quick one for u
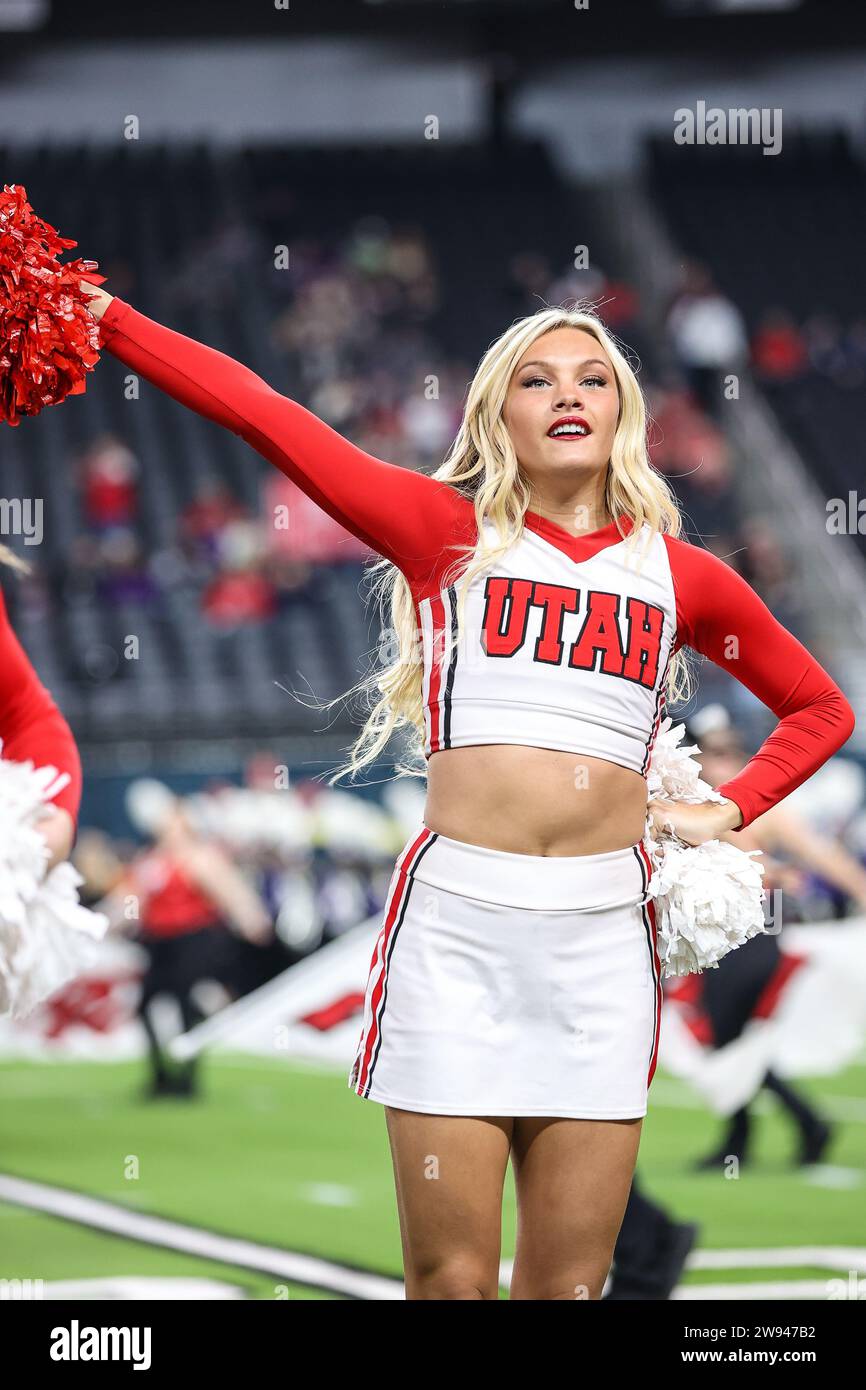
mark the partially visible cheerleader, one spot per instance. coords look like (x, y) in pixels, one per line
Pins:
(32, 727)
(39, 943)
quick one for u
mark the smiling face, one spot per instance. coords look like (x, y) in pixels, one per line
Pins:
(561, 408)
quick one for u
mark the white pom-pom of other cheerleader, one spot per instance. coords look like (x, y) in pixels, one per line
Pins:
(46, 936)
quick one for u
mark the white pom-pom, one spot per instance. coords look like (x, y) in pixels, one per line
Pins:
(46, 935)
(709, 898)
(673, 775)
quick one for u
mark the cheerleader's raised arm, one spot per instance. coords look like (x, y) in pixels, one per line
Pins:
(401, 514)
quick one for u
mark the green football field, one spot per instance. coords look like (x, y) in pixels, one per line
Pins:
(276, 1183)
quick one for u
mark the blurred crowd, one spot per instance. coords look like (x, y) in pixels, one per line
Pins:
(783, 350)
(319, 860)
(358, 350)
(357, 337)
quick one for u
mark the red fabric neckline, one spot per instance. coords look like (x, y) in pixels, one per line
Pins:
(580, 547)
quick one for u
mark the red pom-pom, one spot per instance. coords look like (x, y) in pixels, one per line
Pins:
(48, 337)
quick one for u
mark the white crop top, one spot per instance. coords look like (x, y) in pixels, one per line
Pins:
(556, 653)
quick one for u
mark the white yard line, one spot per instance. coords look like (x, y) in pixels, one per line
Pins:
(740, 1293)
(842, 1262)
(283, 1265)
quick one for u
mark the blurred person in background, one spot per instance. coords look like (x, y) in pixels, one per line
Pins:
(764, 562)
(652, 1247)
(204, 519)
(109, 490)
(729, 994)
(690, 449)
(778, 348)
(101, 861)
(708, 335)
(651, 1250)
(789, 844)
(124, 577)
(241, 591)
(195, 912)
(824, 345)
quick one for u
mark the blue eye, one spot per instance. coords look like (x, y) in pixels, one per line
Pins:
(595, 380)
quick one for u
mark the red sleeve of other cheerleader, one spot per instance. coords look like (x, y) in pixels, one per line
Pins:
(721, 616)
(401, 514)
(31, 726)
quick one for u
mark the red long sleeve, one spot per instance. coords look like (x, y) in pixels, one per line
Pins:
(401, 514)
(721, 616)
(31, 726)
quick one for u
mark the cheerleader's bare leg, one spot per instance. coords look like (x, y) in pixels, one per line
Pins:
(573, 1179)
(449, 1172)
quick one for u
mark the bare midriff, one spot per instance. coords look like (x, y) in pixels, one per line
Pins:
(537, 801)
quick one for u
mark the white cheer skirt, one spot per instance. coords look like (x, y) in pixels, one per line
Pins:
(512, 984)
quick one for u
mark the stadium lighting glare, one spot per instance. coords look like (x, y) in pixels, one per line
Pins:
(709, 7)
(19, 16)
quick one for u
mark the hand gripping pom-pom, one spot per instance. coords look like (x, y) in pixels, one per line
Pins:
(49, 340)
(709, 898)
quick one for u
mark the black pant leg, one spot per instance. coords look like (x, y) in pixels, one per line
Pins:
(731, 991)
(158, 978)
(640, 1235)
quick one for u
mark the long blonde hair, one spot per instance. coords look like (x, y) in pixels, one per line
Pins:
(482, 466)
